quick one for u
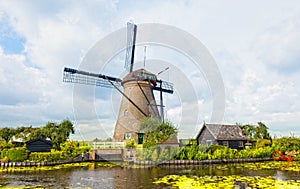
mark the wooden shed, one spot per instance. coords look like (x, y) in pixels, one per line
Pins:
(171, 142)
(226, 135)
(39, 145)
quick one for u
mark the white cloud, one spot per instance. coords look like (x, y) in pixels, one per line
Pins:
(278, 47)
(255, 48)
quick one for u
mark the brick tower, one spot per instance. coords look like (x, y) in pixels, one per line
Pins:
(137, 87)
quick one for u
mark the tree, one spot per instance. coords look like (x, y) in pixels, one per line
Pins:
(7, 133)
(256, 132)
(58, 133)
(36, 133)
(262, 131)
(248, 130)
(156, 131)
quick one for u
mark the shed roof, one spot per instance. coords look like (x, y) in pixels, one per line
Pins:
(225, 132)
(39, 139)
(171, 140)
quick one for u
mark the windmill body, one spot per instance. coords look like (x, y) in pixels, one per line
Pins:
(138, 86)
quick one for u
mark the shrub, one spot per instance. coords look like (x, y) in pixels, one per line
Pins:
(154, 155)
(145, 153)
(130, 144)
(260, 143)
(286, 144)
(47, 156)
(211, 149)
(18, 154)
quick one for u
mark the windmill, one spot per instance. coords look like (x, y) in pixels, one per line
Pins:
(138, 101)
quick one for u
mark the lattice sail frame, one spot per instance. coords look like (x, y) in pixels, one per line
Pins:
(131, 35)
(81, 77)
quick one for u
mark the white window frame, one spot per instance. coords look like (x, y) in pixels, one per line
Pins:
(127, 136)
(240, 144)
(225, 143)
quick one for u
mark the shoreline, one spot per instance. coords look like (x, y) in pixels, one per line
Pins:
(140, 163)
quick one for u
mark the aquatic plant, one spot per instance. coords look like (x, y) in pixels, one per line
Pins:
(226, 182)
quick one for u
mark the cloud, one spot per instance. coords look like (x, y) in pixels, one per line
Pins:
(278, 47)
(256, 50)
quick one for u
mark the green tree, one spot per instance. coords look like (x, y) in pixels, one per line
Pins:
(24, 132)
(58, 133)
(36, 133)
(156, 131)
(255, 132)
(262, 131)
(248, 130)
(7, 133)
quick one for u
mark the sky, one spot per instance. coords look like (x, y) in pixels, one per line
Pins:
(254, 44)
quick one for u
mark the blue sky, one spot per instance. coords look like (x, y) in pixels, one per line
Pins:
(11, 42)
(255, 45)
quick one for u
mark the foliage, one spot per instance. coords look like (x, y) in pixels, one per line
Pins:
(47, 156)
(286, 144)
(212, 148)
(233, 181)
(263, 142)
(146, 153)
(221, 152)
(255, 132)
(190, 152)
(154, 155)
(130, 144)
(156, 131)
(19, 154)
(4, 145)
(68, 150)
(262, 131)
(73, 149)
(7, 133)
(165, 154)
(58, 133)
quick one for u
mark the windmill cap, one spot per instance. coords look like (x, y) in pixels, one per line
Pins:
(140, 74)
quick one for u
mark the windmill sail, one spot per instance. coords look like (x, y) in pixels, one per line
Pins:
(131, 37)
(165, 86)
(87, 78)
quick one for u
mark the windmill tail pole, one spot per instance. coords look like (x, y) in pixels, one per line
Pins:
(162, 71)
(161, 104)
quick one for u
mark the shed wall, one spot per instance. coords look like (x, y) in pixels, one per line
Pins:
(206, 135)
(39, 146)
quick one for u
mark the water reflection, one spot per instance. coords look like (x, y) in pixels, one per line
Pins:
(119, 177)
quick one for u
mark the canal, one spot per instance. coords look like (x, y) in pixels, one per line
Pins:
(98, 176)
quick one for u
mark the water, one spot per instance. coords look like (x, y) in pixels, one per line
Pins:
(119, 177)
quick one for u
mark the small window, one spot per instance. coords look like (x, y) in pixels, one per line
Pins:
(126, 112)
(240, 144)
(225, 143)
(127, 136)
(208, 142)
